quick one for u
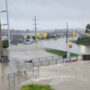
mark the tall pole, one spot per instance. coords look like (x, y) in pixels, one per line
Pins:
(1, 51)
(67, 33)
(35, 20)
(68, 54)
(11, 66)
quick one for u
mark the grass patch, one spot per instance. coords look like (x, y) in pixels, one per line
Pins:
(59, 52)
(36, 87)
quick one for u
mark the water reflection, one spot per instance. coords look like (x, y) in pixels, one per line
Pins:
(60, 44)
(85, 49)
(4, 69)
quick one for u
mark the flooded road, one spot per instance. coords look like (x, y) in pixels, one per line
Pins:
(55, 44)
(60, 44)
(4, 71)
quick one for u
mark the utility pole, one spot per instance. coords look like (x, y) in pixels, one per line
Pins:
(1, 51)
(35, 20)
(67, 33)
(11, 66)
(68, 54)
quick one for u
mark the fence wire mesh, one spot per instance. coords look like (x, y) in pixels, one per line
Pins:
(23, 71)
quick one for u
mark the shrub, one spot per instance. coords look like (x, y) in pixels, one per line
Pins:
(5, 44)
(36, 87)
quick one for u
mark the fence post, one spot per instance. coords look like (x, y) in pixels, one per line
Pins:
(48, 62)
(38, 71)
(56, 61)
(52, 57)
(14, 81)
(9, 82)
(41, 63)
(33, 69)
(70, 59)
(18, 75)
(58, 57)
(77, 58)
(63, 60)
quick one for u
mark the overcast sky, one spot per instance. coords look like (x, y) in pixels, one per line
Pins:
(51, 14)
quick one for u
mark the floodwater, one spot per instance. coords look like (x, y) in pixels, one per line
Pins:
(4, 71)
(60, 44)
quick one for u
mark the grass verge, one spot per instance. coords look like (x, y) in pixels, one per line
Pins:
(59, 52)
(36, 87)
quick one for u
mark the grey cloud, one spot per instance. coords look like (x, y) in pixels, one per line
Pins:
(50, 13)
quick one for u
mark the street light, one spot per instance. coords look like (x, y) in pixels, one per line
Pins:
(11, 67)
(7, 14)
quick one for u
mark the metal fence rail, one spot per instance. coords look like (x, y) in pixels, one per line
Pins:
(28, 65)
(31, 69)
(45, 61)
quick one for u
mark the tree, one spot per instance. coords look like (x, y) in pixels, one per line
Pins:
(33, 37)
(5, 44)
(88, 28)
(28, 36)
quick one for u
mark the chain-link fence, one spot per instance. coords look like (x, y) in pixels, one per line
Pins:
(45, 61)
(29, 69)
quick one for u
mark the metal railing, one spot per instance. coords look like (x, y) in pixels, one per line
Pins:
(28, 65)
(45, 61)
(31, 69)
